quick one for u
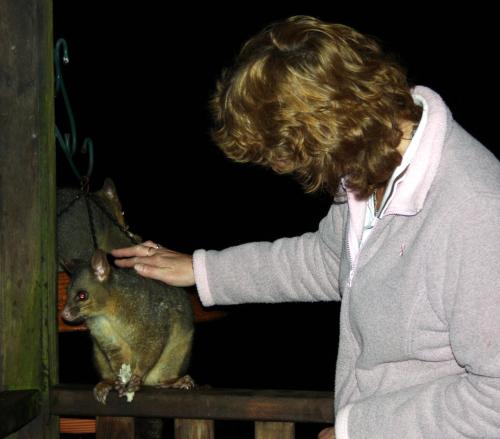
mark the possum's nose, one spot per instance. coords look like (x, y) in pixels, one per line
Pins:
(67, 315)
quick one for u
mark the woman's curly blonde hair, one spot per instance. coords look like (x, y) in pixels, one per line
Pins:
(315, 99)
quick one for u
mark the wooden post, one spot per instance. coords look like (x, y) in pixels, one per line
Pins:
(17, 408)
(28, 351)
(274, 430)
(115, 428)
(194, 429)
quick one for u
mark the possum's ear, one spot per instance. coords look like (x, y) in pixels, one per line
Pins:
(71, 265)
(109, 189)
(100, 265)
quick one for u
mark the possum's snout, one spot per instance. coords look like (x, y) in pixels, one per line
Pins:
(70, 315)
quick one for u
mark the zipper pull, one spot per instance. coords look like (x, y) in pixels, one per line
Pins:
(351, 275)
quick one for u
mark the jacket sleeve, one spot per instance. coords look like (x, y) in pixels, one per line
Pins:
(466, 405)
(303, 268)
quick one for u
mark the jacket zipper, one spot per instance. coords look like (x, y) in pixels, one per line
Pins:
(378, 216)
(351, 264)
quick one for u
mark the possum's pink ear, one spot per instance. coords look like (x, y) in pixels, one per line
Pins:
(100, 265)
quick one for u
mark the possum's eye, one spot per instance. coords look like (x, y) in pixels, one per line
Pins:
(82, 295)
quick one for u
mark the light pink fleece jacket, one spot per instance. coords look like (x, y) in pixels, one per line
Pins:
(419, 347)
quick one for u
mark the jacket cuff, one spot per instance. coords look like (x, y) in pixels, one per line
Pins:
(201, 277)
(342, 422)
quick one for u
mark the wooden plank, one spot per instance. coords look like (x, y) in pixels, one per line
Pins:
(27, 206)
(274, 430)
(115, 428)
(17, 408)
(194, 429)
(77, 425)
(242, 404)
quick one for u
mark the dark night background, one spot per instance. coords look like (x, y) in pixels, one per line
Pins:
(139, 81)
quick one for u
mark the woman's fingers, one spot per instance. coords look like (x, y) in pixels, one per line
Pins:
(151, 260)
(130, 262)
(147, 248)
(150, 271)
(327, 433)
(150, 243)
(135, 250)
(176, 270)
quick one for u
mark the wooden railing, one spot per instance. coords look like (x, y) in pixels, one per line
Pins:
(274, 412)
(17, 408)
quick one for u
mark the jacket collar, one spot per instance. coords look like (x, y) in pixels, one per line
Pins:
(410, 194)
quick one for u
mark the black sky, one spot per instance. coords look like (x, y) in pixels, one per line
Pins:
(140, 78)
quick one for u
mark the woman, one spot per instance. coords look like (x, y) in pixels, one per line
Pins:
(409, 245)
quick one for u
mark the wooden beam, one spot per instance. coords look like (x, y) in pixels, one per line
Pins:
(27, 206)
(274, 430)
(241, 404)
(17, 408)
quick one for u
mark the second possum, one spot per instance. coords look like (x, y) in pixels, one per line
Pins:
(142, 332)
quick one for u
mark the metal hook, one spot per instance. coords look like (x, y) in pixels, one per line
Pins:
(69, 140)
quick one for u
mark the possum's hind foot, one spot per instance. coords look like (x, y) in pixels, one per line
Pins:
(185, 382)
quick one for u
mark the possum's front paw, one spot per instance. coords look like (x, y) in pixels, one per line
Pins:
(101, 391)
(120, 387)
(185, 382)
(127, 383)
(133, 385)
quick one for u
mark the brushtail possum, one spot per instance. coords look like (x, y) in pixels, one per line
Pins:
(137, 325)
(74, 231)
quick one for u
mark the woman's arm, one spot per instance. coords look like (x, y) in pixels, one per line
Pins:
(303, 268)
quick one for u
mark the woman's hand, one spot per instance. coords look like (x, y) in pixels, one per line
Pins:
(156, 262)
(327, 433)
